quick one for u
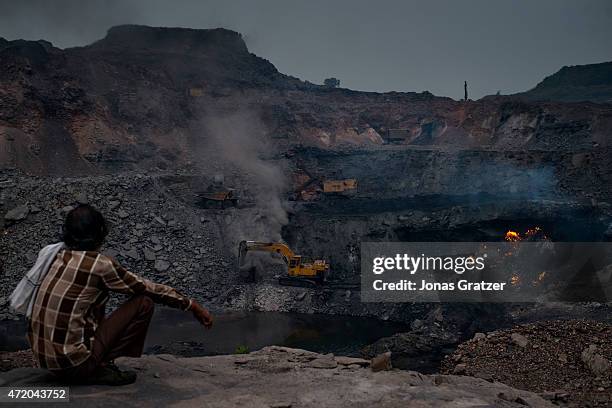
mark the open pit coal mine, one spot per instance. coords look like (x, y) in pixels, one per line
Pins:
(188, 155)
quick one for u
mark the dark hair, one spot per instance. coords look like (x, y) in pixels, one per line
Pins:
(84, 228)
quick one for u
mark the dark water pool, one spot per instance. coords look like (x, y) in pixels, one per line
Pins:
(177, 332)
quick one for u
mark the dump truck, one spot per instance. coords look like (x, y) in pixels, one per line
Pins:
(300, 270)
(339, 186)
(218, 199)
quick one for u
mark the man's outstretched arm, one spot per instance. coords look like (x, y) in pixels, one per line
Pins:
(118, 279)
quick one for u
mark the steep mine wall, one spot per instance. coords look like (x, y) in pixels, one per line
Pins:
(447, 195)
(388, 173)
(140, 98)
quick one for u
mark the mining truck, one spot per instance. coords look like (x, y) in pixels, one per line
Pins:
(339, 186)
(300, 270)
(218, 199)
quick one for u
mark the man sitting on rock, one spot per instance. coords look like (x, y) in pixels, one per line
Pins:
(69, 333)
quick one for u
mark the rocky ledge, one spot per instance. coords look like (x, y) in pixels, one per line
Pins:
(283, 377)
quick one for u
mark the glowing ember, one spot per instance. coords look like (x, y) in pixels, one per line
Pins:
(512, 236)
(515, 280)
(532, 234)
(533, 231)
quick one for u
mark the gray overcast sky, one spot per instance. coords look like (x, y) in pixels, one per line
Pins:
(378, 45)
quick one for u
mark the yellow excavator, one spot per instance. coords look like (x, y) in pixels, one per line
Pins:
(300, 270)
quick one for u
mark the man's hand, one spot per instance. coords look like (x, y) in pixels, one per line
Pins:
(200, 313)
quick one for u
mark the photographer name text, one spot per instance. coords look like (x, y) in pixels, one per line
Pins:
(423, 285)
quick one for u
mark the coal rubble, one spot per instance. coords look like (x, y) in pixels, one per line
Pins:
(568, 362)
(151, 233)
(159, 232)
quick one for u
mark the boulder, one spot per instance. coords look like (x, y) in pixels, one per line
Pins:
(149, 254)
(519, 339)
(326, 361)
(131, 253)
(18, 213)
(161, 265)
(352, 360)
(459, 369)
(381, 362)
(479, 336)
(594, 361)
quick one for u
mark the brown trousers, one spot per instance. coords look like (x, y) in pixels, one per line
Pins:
(120, 334)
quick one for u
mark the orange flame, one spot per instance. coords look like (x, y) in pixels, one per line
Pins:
(532, 234)
(512, 236)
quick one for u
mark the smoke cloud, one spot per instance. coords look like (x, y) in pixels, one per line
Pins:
(238, 144)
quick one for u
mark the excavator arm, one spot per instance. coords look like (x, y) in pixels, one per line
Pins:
(274, 247)
(316, 270)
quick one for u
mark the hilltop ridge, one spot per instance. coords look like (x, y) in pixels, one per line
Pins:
(578, 83)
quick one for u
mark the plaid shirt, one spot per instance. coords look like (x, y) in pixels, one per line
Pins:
(70, 304)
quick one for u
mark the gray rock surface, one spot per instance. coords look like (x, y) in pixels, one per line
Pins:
(283, 377)
(17, 214)
(595, 361)
(519, 339)
(161, 265)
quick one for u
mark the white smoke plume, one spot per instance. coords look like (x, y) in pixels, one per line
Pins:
(239, 145)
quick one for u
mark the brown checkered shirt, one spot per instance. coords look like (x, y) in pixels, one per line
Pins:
(67, 308)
